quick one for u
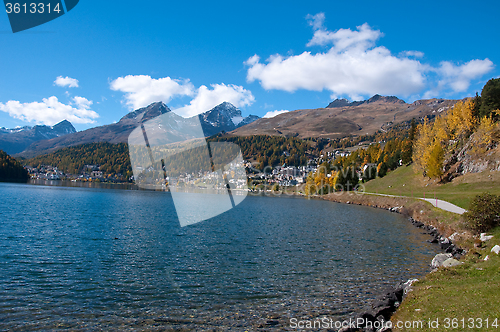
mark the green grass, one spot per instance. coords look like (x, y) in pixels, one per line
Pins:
(471, 290)
(405, 181)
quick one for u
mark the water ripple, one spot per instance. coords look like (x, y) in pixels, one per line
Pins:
(93, 259)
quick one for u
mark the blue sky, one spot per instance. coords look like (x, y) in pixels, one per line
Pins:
(263, 56)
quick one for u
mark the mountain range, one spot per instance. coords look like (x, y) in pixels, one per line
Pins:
(16, 140)
(222, 118)
(342, 118)
(339, 119)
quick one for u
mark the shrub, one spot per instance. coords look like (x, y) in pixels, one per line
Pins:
(484, 212)
(370, 173)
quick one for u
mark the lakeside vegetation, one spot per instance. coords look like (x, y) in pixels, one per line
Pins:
(468, 291)
(113, 159)
(405, 181)
(11, 169)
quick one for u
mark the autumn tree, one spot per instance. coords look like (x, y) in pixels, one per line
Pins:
(310, 188)
(424, 140)
(460, 120)
(346, 179)
(406, 151)
(435, 161)
(485, 137)
(436, 139)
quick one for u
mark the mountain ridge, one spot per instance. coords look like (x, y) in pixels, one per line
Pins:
(376, 98)
(213, 121)
(344, 118)
(16, 140)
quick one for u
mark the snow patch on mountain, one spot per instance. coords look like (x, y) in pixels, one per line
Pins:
(237, 120)
(223, 117)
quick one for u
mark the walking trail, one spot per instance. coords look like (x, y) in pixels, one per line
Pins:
(443, 205)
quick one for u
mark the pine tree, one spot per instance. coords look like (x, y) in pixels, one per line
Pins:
(490, 97)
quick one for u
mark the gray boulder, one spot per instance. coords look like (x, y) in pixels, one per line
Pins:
(451, 262)
(439, 259)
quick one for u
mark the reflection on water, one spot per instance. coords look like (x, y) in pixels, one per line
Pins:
(84, 184)
(79, 258)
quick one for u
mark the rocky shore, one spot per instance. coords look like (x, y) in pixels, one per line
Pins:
(376, 317)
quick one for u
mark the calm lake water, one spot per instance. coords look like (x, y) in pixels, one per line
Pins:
(104, 259)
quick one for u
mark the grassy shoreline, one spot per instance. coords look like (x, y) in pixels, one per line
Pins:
(405, 181)
(461, 298)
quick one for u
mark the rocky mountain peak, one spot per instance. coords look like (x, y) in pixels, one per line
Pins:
(385, 99)
(376, 98)
(64, 127)
(223, 117)
(146, 113)
(339, 103)
(222, 114)
(226, 105)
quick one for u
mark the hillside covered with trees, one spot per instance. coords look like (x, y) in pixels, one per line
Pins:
(11, 169)
(375, 160)
(464, 140)
(111, 158)
(114, 159)
(274, 150)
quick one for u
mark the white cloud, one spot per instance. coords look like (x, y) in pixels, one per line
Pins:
(368, 73)
(342, 39)
(354, 66)
(416, 54)
(252, 61)
(458, 78)
(51, 111)
(207, 99)
(316, 21)
(66, 82)
(142, 90)
(82, 102)
(272, 114)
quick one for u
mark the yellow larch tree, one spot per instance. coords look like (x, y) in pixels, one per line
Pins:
(461, 120)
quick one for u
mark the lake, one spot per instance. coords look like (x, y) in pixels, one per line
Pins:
(108, 259)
